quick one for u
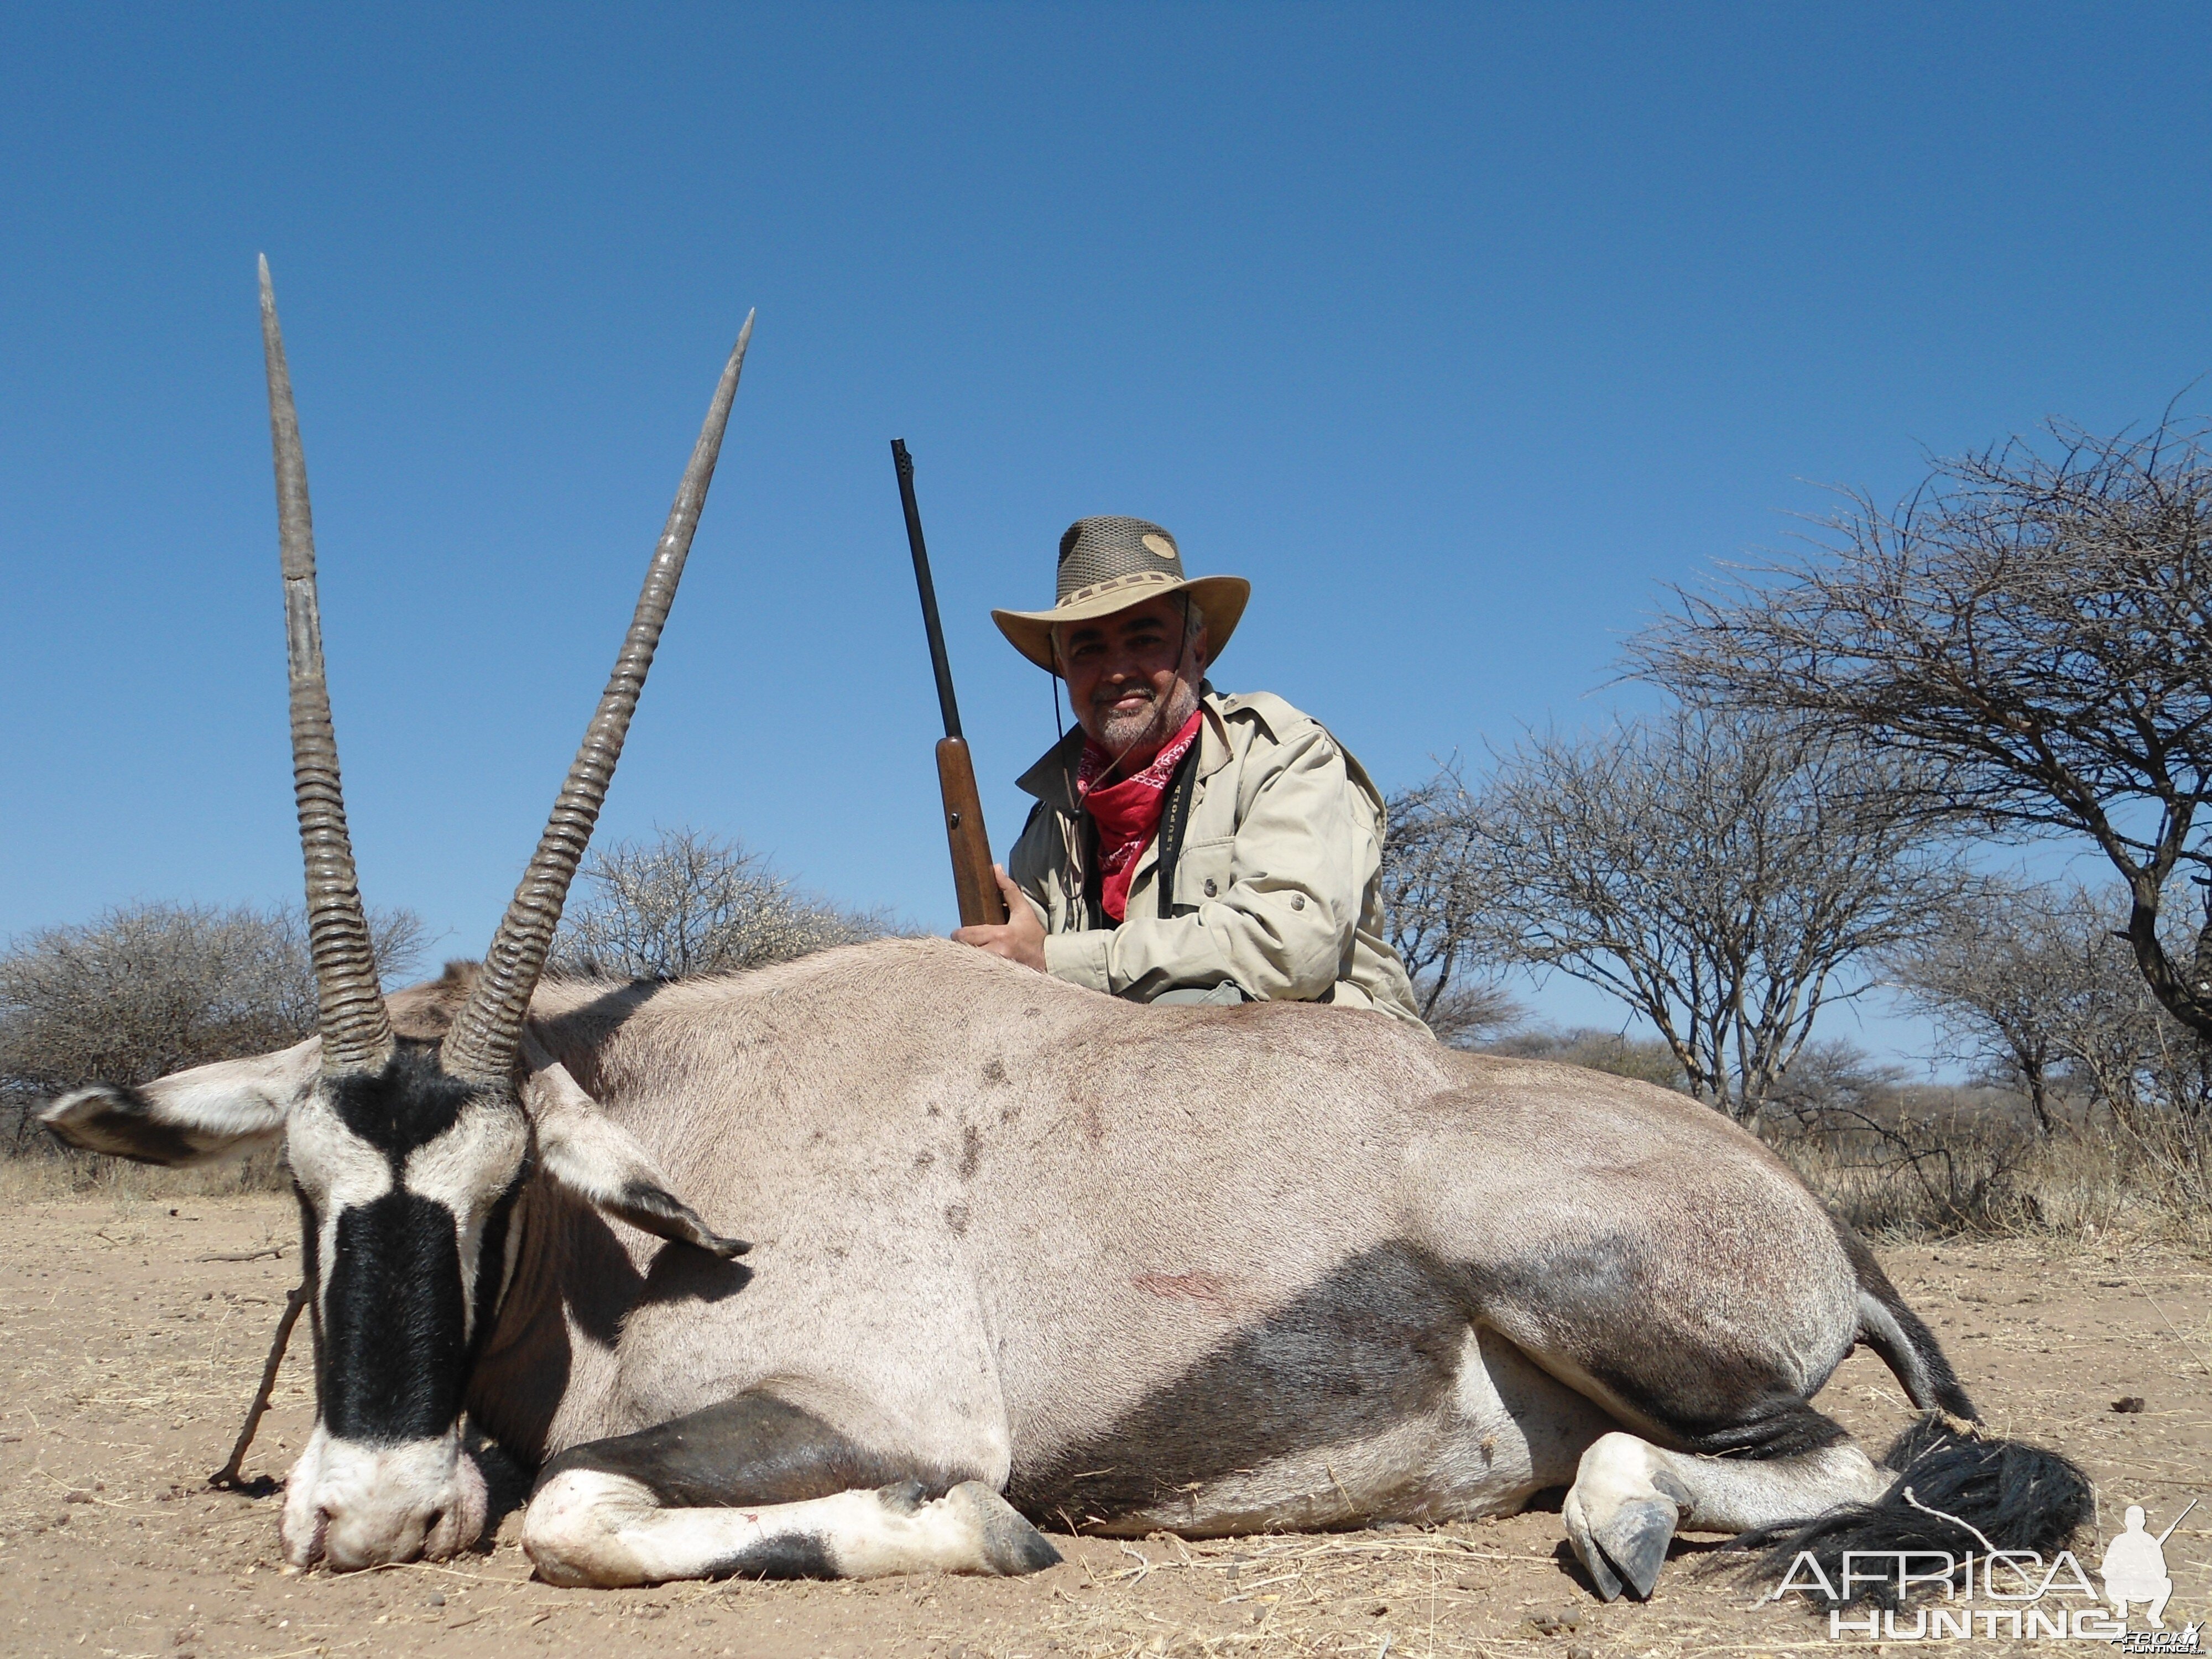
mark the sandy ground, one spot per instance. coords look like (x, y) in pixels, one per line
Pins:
(129, 1343)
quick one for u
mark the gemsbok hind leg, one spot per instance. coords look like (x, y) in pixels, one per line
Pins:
(1630, 1497)
(755, 1487)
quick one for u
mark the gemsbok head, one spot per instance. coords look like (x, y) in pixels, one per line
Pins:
(410, 1156)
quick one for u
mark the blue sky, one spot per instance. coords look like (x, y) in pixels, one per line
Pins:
(1458, 330)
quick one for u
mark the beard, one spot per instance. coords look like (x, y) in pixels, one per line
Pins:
(1137, 732)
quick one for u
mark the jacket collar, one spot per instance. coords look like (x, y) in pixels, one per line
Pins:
(1052, 779)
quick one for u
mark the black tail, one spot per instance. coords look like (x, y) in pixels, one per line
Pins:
(1906, 1344)
(1983, 1490)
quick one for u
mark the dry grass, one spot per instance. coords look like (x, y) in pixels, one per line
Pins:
(1997, 1180)
(46, 1177)
(1306, 1595)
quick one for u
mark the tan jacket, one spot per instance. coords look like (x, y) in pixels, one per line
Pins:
(1277, 887)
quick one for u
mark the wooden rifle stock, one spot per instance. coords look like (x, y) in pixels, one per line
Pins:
(982, 903)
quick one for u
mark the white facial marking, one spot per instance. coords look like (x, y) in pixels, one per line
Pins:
(349, 1506)
(466, 1168)
(338, 1169)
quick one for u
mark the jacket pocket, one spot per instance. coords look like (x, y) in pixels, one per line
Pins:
(1202, 873)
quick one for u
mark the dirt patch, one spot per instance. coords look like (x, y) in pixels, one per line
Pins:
(134, 1329)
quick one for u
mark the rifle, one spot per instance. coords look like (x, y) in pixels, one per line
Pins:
(981, 901)
(2178, 1520)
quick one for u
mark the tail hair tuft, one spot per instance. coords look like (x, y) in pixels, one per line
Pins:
(1968, 1490)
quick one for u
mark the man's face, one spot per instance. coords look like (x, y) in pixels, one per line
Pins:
(1130, 679)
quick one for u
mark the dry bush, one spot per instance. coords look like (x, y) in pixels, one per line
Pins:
(685, 903)
(148, 989)
(1934, 1164)
(1991, 1180)
(1647, 1059)
(1901, 1161)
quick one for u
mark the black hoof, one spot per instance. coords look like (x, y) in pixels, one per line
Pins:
(1633, 1541)
(1011, 1546)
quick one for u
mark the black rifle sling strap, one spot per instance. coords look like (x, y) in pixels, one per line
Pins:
(1174, 819)
(1094, 905)
(1173, 822)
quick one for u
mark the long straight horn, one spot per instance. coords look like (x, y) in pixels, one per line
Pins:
(357, 1031)
(481, 1044)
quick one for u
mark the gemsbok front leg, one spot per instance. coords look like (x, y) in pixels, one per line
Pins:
(755, 1487)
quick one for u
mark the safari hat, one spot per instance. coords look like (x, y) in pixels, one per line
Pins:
(1107, 565)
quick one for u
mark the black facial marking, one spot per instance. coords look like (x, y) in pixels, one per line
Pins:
(408, 1104)
(794, 1555)
(491, 1261)
(752, 1449)
(394, 1351)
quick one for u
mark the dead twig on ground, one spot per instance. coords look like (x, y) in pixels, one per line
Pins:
(226, 1479)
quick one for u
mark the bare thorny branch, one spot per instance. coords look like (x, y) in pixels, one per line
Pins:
(2034, 631)
(1716, 873)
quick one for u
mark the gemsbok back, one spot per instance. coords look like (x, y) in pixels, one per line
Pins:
(1024, 1250)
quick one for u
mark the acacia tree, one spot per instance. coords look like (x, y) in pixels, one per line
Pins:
(2019, 983)
(2047, 993)
(2035, 630)
(1434, 899)
(1720, 874)
(685, 903)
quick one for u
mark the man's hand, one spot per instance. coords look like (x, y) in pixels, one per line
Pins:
(1021, 939)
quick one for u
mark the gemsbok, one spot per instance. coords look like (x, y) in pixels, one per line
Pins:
(1024, 1250)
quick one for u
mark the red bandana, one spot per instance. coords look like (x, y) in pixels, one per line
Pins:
(1128, 811)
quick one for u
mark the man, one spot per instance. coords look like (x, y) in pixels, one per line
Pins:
(2134, 1569)
(1186, 847)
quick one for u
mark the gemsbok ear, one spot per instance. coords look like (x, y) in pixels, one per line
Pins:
(602, 1162)
(226, 1109)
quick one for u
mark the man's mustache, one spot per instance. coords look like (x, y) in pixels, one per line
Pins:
(1104, 700)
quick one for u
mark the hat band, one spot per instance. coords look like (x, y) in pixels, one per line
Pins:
(1135, 579)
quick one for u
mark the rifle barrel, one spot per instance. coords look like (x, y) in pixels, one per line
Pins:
(2178, 1520)
(938, 660)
